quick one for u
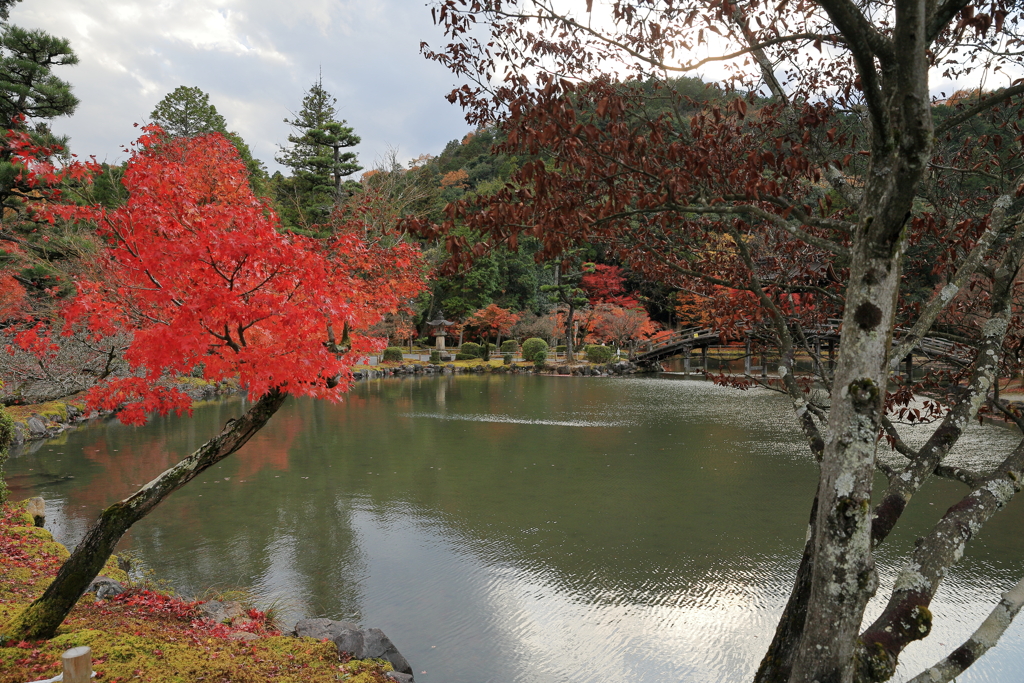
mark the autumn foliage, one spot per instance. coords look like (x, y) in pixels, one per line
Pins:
(493, 320)
(195, 270)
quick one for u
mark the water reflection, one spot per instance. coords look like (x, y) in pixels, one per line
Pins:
(514, 528)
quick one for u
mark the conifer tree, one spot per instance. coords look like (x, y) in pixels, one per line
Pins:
(30, 95)
(315, 154)
(186, 112)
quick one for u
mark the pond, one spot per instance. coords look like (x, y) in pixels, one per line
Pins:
(514, 529)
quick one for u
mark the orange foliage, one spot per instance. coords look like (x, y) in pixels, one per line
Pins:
(493, 320)
(457, 178)
(619, 325)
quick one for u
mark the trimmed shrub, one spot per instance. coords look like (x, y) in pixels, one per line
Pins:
(435, 357)
(532, 346)
(485, 351)
(540, 358)
(392, 354)
(465, 356)
(473, 350)
(507, 358)
(509, 346)
(561, 348)
(599, 354)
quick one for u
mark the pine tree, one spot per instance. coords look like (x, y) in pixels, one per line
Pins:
(315, 156)
(30, 95)
(186, 112)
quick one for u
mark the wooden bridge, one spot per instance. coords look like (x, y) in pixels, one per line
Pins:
(666, 345)
(827, 335)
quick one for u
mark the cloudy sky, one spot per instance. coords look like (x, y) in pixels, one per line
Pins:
(255, 58)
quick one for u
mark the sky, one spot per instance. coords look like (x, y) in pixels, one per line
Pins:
(255, 59)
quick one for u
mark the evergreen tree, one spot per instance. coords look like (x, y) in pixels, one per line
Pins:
(5, 8)
(186, 112)
(315, 155)
(30, 95)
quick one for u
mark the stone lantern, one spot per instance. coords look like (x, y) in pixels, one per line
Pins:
(439, 332)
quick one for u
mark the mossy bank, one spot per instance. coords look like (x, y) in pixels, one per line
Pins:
(143, 635)
(46, 420)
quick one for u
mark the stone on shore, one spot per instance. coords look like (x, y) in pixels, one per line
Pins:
(37, 508)
(371, 643)
(105, 587)
(322, 629)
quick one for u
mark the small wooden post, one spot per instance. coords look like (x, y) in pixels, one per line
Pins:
(817, 353)
(764, 366)
(910, 367)
(831, 354)
(77, 665)
(746, 359)
(704, 358)
(686, 360)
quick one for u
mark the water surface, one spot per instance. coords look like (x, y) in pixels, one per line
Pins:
(515, 529)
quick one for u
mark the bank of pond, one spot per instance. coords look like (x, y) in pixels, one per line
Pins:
(513, 527)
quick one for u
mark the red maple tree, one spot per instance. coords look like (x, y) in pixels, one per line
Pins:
(607, 284)
(493, 319)
(195, 271)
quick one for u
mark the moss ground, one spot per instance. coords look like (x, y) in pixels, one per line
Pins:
(147, 636)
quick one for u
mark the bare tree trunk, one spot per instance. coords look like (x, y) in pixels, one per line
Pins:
(41, 618)
(570, 357)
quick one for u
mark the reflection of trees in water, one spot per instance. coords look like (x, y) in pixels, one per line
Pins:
(632, 513)
(287, 535)
(582, 505)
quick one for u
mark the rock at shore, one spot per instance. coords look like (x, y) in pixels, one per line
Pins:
(370, 643)
(105, 587)
(37, 508)
(323, 629)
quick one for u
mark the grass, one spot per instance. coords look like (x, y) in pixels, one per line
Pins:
(145, 635)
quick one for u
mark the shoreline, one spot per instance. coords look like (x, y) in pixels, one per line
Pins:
(136, 632)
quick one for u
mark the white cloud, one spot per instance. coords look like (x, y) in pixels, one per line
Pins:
(255, 58)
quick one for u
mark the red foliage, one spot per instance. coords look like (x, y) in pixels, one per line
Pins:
(606, 284)
(620, 325)
(493, 320)
(195, 270)
(12, 297)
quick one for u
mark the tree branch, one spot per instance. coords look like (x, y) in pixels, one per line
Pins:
(984, 103)
(980, 642)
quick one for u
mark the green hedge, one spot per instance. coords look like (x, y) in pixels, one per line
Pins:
(532, 346)
(466, 356)
(509, 346)
(392, 354)
(471, 349)
(561, 348)
(599, 354)
(435, 357)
